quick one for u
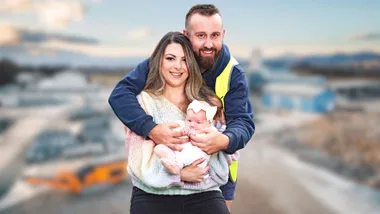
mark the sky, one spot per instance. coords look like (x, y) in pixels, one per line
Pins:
(124, 28)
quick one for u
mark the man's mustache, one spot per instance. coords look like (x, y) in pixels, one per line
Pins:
(207, 49)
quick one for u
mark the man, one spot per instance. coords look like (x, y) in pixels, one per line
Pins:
(204, 28)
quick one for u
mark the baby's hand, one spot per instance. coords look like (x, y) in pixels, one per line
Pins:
(183, 135)
(185, 130)
(188, 131)
(192, 132)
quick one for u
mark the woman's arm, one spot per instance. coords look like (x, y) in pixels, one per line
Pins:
(193, 173)
(144, 165)
(125, 105)
(218, 174)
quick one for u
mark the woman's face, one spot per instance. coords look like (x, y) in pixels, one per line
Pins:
(173, 66)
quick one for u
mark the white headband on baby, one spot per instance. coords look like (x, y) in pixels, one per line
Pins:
(196, 106)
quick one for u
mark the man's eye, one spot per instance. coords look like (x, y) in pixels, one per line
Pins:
(201, 36)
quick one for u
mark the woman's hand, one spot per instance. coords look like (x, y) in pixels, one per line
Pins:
(193, 173)
(164, 134)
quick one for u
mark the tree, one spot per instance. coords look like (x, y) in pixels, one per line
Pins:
(8, 71)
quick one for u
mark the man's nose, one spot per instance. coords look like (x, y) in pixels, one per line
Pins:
(208, 43)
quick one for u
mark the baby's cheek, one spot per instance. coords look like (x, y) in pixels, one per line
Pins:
(202, 126)
(192, 132)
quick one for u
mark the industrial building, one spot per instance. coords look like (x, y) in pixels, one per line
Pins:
(281, 90)
(297, 97)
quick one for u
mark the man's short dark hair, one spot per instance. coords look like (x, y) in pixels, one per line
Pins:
(202, 9)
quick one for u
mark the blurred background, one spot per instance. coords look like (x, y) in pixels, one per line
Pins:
(313, 69)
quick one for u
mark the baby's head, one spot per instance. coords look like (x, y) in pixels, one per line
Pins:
(199, 115)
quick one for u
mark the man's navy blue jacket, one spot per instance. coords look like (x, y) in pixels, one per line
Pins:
(238, 110)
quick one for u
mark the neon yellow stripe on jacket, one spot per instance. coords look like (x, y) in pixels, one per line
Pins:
(222, 85)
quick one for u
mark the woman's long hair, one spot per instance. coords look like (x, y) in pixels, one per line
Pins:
(195, 87)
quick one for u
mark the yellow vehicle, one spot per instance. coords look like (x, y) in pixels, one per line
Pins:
(92, 175)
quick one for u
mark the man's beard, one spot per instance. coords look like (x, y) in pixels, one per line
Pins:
(206, 63)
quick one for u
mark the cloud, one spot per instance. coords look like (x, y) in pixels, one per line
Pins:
(95, 50)
(58, 14)
(41, 51)
(300, 50)
(16, 6)
(139, 33)
(51, 14)
(35, 43)
(95, 1)
(365, 37)
(37, 36)
(9, 35)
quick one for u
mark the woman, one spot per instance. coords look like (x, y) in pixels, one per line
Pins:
(174, 80)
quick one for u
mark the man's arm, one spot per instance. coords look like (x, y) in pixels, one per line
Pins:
(124, 102)
(238, 112)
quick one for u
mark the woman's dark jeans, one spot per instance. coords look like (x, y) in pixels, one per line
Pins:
(211, 202)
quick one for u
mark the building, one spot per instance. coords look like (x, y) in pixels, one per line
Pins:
(105, 76)
(356, 89)
(297, 97)
(279, 89)
(357, 94)
(63, 87)
(66, 81)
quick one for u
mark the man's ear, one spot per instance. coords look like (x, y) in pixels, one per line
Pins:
(185, 33)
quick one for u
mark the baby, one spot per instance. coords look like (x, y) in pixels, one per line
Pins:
(199, 115)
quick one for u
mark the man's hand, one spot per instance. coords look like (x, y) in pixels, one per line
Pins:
(210, 140)
(164, 134)
(193, 173)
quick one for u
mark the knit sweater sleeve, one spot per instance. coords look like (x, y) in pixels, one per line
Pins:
(144, 166)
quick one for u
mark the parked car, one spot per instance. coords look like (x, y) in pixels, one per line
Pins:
(49, 145)
(95, 130)
(85, 112)
(5, 123)
(84, 149)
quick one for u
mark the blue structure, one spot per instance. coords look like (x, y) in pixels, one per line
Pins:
(297, 97)
(280, 89)
(283, 90)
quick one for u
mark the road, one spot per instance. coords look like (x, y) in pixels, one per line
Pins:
(266, 184)
(264, 187)
(27, 124)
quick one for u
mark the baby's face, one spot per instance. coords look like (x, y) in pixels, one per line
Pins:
(196, 120)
